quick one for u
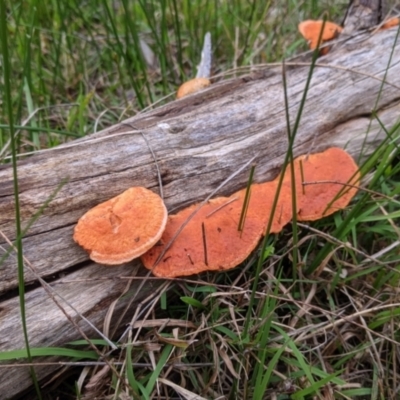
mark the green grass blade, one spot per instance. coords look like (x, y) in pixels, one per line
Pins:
(129, 372)
(48, 352)
(292, 173)
(312, 389)
(164, 356)
(285, 163)
(246, 200)
(8, 101)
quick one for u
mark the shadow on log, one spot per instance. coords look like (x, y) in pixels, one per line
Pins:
(198, 142)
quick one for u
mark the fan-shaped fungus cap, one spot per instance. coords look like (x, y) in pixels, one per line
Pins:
(261, 203)
(192, 86)
(390, 23)
(331, 177)
(122, 228)
(211, 240)
(311, 29)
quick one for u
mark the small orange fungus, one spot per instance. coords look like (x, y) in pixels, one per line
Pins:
(311, 29)
(192, 86)
(390, 23)
(122, 228)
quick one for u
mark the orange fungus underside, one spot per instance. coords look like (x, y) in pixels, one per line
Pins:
(122, 228)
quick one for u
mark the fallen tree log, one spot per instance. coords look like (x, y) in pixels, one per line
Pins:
(197, 143)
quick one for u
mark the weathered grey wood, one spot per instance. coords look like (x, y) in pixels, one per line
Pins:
(198, 142)
(90, 290)
(366, 14)
(362, 14)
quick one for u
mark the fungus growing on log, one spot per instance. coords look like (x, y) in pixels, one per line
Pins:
(211, 240)
(192, 86)
(330, 179)
(203, 72)
(311, 29)
(390, 23)
(122, 228)
(214, 237)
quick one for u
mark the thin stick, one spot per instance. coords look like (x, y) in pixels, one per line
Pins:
(154, 158)
(221, 206)
(355, 187)
(190, 258)
(302, 177)
(204, 243)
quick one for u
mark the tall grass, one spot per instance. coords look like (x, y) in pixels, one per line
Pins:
(315, 318)
(76, 66)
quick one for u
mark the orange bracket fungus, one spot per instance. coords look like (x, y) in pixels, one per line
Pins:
(211, 241)
(390, 23)
(311, 29)
(192, 86)
(203, 72)
(208, 238)
(325, 183)
(122, 228)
